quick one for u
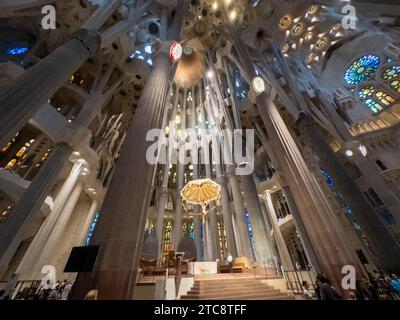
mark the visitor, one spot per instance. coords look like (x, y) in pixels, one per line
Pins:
(66, 290)
(365, 291)
(395, 285)
(351, 296)
(229, 259)
(53, 294)
(307, 295)
(91, 295)
(318, 284)
(326, 290)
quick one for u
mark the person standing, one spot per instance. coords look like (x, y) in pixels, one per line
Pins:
(307, 295)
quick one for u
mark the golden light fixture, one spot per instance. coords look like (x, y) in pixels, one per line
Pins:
(200, 192)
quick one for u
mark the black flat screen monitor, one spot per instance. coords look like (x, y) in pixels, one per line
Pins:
(82, 259)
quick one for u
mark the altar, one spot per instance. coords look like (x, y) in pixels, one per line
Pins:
(202, 267)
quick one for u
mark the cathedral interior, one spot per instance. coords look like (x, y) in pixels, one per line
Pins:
(312, 87)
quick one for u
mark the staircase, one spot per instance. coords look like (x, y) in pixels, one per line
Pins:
(232, 287)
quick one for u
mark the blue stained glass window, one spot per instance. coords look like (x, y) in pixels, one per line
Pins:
(247, 218)
(391, 73)
(348, 210)
(329, 179)
(17, 51)
(191, 231)
(362, 69)
(366, 92)
(91, 229)
(373, 105)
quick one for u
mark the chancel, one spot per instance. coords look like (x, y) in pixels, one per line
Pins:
(200, 149)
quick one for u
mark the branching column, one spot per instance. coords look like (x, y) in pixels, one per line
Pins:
(385, 250)
(29, 265)
(121, 226)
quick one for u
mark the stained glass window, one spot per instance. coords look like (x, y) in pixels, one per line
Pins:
(346, 207)
(220, 239)
(368, 95)
(329, 179)
(362, 69)
(395, 85)
(17, 51)
(191, 231)
(391, 73)
(168, 236)
(253, 247)
(91, 229)
(366, 92)
(373, 105)
(385, 98)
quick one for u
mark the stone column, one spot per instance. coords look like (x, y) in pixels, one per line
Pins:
(227, 215)
(213, 235)
(120, 228)
(243, 246)
(30, 203)
(212, 242)
(180, 175)
(179, 209)
(197, 236)
(28, 266)
(323, 225)
(321, 222)
(304, 238)
(262, 240)
(101, 15)
(384, 248)
(34, 87)
(161, 210)
(45, 255)
(284, 255)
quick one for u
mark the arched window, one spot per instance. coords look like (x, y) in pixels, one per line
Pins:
(391, 73)
(375, 100)
(395, 84)
(385, 98)
(362, 69)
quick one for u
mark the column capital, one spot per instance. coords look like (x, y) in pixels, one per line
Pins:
(90, 39)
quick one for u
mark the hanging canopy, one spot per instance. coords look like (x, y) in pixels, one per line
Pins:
(201, 192)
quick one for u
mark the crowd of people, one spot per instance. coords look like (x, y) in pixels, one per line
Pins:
(58, 291)
(380, 286)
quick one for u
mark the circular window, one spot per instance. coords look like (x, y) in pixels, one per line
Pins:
(362, 69)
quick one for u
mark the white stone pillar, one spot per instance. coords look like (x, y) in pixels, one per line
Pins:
(262, 240)
(47, 252)
(27, 266)
(30, 203)
(280, 241)
(34, 87)
(243, 244)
